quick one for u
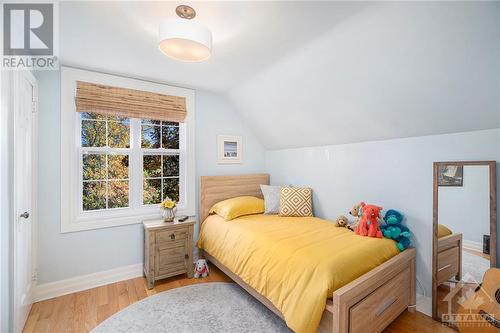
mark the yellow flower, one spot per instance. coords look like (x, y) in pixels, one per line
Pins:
(168, 203)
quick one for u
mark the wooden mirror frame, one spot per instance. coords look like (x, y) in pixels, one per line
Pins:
(493, 220)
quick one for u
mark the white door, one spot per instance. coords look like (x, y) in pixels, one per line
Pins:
(24, 93)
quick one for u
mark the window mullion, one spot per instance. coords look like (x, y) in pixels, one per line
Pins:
(135, 167)
(159, 151)
(161, 182)
(107, 183)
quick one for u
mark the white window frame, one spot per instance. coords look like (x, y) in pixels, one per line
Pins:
(73, 218)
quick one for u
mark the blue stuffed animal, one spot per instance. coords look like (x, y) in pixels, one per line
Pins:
(395, 230)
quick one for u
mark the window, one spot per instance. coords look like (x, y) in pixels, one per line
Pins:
(119, 169)
(105, 143)
(160, 146)
(105, 155)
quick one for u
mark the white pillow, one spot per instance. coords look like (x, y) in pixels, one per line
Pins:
(271, 198)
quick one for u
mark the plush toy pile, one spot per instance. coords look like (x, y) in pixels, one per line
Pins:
(368, 223)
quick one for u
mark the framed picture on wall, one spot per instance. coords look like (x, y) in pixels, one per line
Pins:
(451, 175)
(229, 149)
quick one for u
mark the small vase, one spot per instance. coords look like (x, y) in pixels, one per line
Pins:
(168, 214)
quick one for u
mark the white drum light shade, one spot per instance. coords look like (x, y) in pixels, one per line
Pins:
(185, 40)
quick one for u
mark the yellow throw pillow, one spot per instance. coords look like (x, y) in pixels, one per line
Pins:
(232, 208)
(443, 231)
(296, 201)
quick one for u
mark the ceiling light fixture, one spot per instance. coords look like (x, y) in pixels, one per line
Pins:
(183, 39)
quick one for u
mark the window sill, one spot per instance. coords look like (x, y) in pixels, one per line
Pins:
(110, 222)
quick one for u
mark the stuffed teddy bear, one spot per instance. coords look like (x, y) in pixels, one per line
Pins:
(368, 224)
(201, 268)
(342, 222)
(395, 230)
(356, 212)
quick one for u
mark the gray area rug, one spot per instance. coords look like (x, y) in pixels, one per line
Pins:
(205, 307)
(473, 267)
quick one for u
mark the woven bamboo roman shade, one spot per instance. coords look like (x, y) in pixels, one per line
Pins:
(131, 103)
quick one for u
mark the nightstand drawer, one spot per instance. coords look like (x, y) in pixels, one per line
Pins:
(171, 235)
(171, 270)
(170, 261)
(171, 244)
(174, 256)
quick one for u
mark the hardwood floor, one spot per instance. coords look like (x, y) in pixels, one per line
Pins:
(82, 311)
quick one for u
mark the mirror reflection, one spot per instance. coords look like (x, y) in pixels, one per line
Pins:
(463, 253)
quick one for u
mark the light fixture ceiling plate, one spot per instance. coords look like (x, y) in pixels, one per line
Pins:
(185, 12)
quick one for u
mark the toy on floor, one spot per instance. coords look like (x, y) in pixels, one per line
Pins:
(342, 222)
(395, 230)
(356, 213)
(368, 224)
(201, 268)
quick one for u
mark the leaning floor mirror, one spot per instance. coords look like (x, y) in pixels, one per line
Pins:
(464, 233)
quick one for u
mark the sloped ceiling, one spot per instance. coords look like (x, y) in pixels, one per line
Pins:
(305, 74)
(122, 37)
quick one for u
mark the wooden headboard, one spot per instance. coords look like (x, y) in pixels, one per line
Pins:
(217, 188)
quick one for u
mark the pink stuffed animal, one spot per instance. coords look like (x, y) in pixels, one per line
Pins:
(201, 269)
(368, 225)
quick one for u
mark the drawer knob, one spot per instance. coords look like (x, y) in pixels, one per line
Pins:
(172, 236)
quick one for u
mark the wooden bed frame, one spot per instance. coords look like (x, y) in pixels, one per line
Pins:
(368, 304)
(449, 258)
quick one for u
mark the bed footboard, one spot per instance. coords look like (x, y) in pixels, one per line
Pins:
(374, 300)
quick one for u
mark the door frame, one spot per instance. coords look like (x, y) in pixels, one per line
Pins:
(16, 79)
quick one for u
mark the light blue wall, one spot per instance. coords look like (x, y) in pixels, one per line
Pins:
(61, 256)
(394, 174)
(214, 115)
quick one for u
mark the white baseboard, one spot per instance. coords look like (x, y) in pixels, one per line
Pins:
(424, 304)
(471, 245)
(84, 282)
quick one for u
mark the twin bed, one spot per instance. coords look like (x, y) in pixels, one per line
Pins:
(311, 274)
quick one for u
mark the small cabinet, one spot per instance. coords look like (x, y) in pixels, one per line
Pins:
(168, 249)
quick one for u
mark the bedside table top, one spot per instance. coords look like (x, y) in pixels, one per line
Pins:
(160, 224)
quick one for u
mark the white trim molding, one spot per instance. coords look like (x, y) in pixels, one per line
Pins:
(84, 282)
(72, 216)
(424, 304)
(471, 245)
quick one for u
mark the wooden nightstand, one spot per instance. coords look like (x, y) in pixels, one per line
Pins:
(168, 249)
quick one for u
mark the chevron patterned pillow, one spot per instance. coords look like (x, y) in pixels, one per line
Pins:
(296, 201)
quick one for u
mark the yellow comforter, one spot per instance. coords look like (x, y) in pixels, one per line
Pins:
(295, 262)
